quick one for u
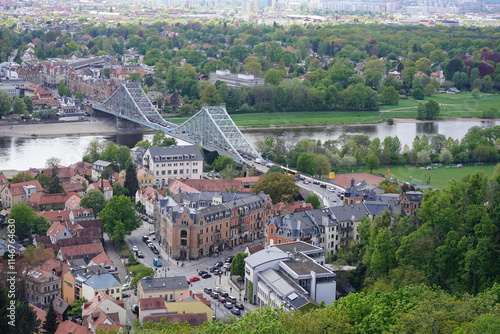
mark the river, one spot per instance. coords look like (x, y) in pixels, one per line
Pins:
(23, 153)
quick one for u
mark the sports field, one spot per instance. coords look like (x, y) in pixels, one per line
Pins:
(439, 176)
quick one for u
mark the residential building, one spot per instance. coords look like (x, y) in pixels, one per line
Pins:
(88, 251)
(42, 286)
(169, 288)
(69, 327)
(410, 202)
(289, 276)
(58, 231)
(145, 178)
(173, 162)
(189, 307)
(235, 80)
(148, 198)
(44, 202)
(73, 279)
(217, 185)
(98, 168)
(189, 229)
(21, 192)
(103, 311)
(99, 282)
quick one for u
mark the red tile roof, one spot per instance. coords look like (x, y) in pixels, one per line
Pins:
(80, 250)
(38, 199)
(152, 303)
(93, 304)
(16, 189)
(102, 259)
(68, 327)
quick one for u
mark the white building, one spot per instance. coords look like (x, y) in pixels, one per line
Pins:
(173, 162)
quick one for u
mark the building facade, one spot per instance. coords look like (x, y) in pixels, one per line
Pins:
(173, 162)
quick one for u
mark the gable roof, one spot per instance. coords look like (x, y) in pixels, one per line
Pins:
(163, 283)
(94, 303)
(70, 251)
(17, 189)
(68, 327)
(152, 303)
(102, 281)
(102, 259)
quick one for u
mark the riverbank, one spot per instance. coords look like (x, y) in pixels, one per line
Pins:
(106, 127)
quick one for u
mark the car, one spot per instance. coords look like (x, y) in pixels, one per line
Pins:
(135, 308)
(206, 275)
(459, 166)
(222, 299)
(224, 294)
(315, 182)
(235, 311)
(207, 290)
(323, 185)
(212, 269)
(194, 279)
(334, 200)
(305, 182)
(228, 305)
(217, 289)
(145, 238)
(217, 272)
(229, 259)
(139, 254)
(214, 295)
(231, 299)
(135, 248)
(201, 272)
(125, 286)
(239, 306)
(218, 264)
(227, 266)
(157, 262)
(126, 295)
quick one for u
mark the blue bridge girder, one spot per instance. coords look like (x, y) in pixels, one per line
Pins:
(212, 128)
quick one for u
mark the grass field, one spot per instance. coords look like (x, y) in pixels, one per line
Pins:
(461, 105)
(439, 176)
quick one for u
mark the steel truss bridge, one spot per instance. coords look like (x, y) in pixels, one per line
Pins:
(212, 128)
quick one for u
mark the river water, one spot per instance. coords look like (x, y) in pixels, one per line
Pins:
(23, 153)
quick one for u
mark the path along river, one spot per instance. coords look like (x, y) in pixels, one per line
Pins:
(20, 151)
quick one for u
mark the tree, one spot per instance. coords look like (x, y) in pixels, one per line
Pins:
(238, 264)
(210, 96)
(23, 215)
(306, 163)
(4, 311)
(221, 162)
(131, 183)
(322, 164)
(314, 200)
(119, 189)
(63, 90)
(26, 320)
(119, 218)
(390, 96)
(18, 106)
(372, 162)
(161, 139)
(29, 103)
(461, 80)
(280, 187)
(446, 157)
(418, 94)
(93, 199)
(229, 172)
(5, 103)
(21, 177)
(55, 186)
(274, 77)
(51, 321)
(79, 96)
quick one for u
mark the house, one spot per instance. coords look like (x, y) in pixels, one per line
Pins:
(44, 202)
(98, 168)
(410, 202)
(58, 231)
(235, 80)
(21, 192)
(88, 251)
(289, 276)
(69, 327)
(103, 186)
(145, 178)
(216, 185)
(73, 279)
(173, 162)
(136, 153)
(103, 309)
(148, 198)
(169, 288)
(101, 283)
(189, 307)
(42, 286)
(73, 202)
(68, 215)
(82, 168)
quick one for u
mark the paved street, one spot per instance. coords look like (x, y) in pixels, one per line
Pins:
(188, 269)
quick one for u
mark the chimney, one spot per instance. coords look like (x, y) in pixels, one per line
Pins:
(352, 182)
(99, 272)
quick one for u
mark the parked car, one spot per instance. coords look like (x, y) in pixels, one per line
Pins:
(222, 299)
(126, 286)
(229, 259)
(194, 279)
(231, 299)
(214, 295)
(228, 305)
(145, 238)
(217, 272)
(224, 294)
(135, 248)
(206, 275)
(201, 272)
(126, 295)
(212, 269)
(217, 289)
(207, 290)
(239, 306)
(235, 311)
(218, 264)
(139, 254)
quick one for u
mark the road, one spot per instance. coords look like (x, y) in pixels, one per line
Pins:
(188, 269)
(329, 196)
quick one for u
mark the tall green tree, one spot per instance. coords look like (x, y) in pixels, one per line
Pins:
(93, 199)
(238, 264)
(51, 322)
(26, 320)
(314, 200)
(5, 103)
(279, 186)
(21, 177)
(131, 183)
(55, 186)
(119, 218)
(18, 106)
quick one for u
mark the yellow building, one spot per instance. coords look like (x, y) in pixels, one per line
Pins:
(169, 288)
